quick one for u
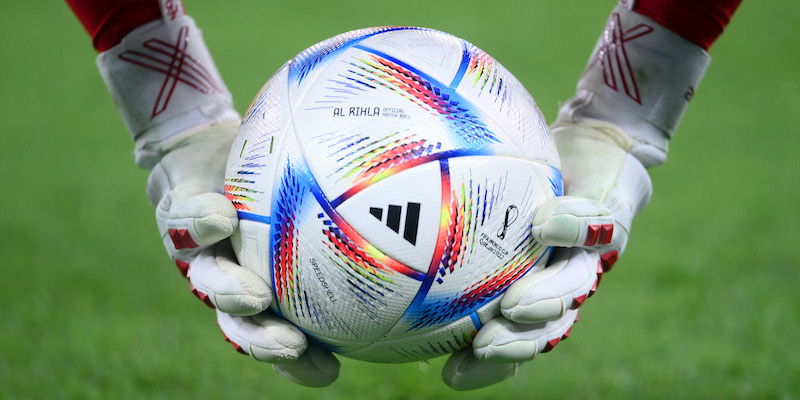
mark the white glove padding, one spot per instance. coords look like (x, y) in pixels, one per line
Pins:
(601, 178)
(186, 186)
(315, 368)
(463, 371)
(505, 341)
(192, 215)
(501, 345)
(263, 336)
(180, 115)
(605, 136)
(195, 220)
(605, 188)
(216, 278)
(569, 279)
(527, 327)
(268, 338)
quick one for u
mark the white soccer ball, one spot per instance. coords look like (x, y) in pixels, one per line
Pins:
(386, 180)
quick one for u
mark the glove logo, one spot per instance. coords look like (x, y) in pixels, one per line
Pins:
(171, 8)
(613, 58)
(176, 64)
(410, 225)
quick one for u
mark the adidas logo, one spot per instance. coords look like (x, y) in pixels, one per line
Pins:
(393, 214)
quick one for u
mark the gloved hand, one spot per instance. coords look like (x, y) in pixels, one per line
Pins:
(605, 187)
(630, 100)
(193, 216)
(194, 220)
(180, 115)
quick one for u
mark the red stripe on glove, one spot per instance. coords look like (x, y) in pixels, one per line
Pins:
(107, 22)
(698, 21)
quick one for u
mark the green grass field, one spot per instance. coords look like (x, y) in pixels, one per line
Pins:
(703, 305)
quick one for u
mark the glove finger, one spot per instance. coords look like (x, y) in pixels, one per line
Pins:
(463, 371)
(190, 222)
(571, 221)
(264, 337)
(504, 341)
(315, 368)
(571, 276)
(221, 283)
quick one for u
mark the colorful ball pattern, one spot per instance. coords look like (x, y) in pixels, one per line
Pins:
(385, 181)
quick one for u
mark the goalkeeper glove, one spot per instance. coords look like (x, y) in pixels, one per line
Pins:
(180, 115)
(617, 125)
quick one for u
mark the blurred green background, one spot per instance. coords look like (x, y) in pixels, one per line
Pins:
(702, 305)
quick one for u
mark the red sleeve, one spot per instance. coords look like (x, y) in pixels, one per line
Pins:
(109, 21)
(699, 21)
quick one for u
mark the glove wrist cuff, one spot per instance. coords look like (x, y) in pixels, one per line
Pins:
(639, 78)
(165, 84)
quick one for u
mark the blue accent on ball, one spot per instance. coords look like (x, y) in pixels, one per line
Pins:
(462, 69)
(464, 119)
(308, 60)
(476, 321)
(556, 182)
(264, 219)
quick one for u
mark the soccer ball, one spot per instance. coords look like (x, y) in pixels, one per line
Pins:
(385, 181)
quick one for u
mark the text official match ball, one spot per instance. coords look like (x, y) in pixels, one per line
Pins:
(385, 181)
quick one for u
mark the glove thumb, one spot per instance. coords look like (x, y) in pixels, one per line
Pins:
(204, 218)
(463, 371)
